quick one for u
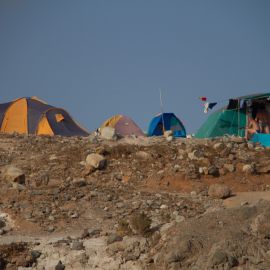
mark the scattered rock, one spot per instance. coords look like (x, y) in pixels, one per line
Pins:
(196, 155)
(213, 170)
(13, 174)
(219, 191)
(79, 182)
(263, 168)
(229, 167)
(60, 266)
(108, 133)
(76, 245)
(96, 161)
(169, 138)
(218, 146)
(114, 238)
(143, 155)
(248, 169)
(168, 133)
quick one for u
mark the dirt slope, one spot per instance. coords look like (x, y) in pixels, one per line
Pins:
(148, 208)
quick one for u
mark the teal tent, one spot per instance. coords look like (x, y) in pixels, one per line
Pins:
(232, 119)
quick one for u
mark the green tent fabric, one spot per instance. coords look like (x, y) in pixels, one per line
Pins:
(223, 122)
(228, 121)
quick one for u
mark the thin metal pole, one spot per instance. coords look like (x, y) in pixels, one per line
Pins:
(238, 118)
(162, 111)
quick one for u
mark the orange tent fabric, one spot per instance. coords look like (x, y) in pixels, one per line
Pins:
(33, 116)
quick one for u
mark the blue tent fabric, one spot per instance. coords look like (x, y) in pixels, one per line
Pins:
(263, 139)
(171, 122)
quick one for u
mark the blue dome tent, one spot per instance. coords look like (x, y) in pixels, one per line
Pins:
(170, 122)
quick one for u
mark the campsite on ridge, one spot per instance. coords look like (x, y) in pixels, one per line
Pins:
(135, 135)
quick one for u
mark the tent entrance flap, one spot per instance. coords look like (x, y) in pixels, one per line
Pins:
(44, 127)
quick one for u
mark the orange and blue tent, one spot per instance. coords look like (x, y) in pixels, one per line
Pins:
(34, 116)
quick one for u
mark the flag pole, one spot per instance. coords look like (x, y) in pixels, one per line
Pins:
(162, 110)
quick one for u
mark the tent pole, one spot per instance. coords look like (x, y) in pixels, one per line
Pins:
(162, 111)
(238, 118)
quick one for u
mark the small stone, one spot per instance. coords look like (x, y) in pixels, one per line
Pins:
(177, 168)
(179, 218)
(248, 169)
(201, 170)
(87, 170)
(163, 206)
(263, 168)
(2, 222)
(93, 138)
(77, 245)
(219, 191)
(196, 155)
(168, 133)
(35, 254)
(229, 167)
(51, 229)
(143, 155)
(244, 203)
(79, 182)
(218, 146)
(169, 139)
(60, 266)
(94, 232)
(51, 218)
(114, 238)
(213, 170)
(74, 215)
(96, 160)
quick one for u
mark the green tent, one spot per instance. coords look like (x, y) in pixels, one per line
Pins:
(230, 120)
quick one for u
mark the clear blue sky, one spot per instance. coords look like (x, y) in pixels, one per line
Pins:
(98, 58)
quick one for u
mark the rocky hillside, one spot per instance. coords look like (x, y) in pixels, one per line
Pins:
(149, 203)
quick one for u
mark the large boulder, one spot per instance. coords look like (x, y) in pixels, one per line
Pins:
(219, 191)
(96, 161)
(13, 174)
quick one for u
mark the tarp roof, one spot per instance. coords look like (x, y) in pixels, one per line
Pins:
(254, 96)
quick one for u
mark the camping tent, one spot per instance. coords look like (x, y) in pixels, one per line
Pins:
(232, 119)
(33, 116)
(166, 121)
(124, 126)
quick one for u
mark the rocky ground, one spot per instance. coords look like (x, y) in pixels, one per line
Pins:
(148, 203)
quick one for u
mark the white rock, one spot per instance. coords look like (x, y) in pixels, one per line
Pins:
(108, 133)
(248, 168)
(168, 133)
(13, 174)
(96, 160)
